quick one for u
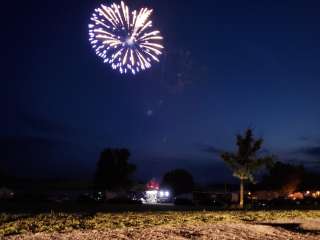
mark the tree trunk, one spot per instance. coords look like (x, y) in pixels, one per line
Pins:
(241, 193)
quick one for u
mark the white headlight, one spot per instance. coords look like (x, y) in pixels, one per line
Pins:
(167, 194)
(161, 194)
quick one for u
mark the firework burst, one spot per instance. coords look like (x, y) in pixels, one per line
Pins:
(126, 40)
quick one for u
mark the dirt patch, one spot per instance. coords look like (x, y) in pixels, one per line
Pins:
(219, 231)
(311, 225)
(297, 225)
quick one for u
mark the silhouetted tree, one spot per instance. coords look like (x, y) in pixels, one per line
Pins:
(288, 178)
(284, 178)
(246, 161)
(179, 180)
(5, 179)
(310, 181)
(113, 170)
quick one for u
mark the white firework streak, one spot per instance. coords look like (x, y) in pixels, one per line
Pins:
(124, 39)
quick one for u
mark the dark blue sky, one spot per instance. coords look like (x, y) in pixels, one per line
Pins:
(228, 65)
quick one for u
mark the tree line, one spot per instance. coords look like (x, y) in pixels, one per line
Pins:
(114, 172)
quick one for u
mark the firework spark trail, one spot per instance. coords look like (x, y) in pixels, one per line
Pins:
(126, 40)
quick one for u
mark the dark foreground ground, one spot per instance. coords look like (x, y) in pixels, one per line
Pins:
(37, 207)
(266, 225)
(219, 231)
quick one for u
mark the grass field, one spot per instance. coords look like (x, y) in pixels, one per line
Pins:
(12, 224)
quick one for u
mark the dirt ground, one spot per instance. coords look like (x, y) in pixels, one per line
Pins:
(293, 230)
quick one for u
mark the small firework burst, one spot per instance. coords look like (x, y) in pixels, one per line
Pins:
(125, 40)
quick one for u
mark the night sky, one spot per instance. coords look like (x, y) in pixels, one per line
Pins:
(227, 65)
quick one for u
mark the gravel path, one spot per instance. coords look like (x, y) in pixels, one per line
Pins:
(219, 231)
